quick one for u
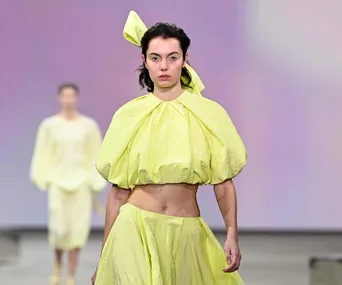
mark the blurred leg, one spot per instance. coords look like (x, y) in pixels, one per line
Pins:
(72, 259)
(56, 275)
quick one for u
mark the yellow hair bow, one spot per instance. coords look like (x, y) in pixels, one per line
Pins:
(135, 29)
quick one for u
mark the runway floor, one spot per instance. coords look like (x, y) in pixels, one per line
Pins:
(268, 259)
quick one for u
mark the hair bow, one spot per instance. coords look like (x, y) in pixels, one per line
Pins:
(135, 29)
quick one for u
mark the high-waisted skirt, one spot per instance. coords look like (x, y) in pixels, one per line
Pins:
(147, 248)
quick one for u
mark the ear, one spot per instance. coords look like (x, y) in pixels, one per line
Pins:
(144, 60)
(185, 59)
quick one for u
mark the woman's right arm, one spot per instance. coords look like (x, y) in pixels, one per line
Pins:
(42, 157)
(117, 197)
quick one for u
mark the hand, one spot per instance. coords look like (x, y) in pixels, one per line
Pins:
(232, 254)
(93, 278)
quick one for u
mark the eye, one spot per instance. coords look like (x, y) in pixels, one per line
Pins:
(154, 58)
(173, 58)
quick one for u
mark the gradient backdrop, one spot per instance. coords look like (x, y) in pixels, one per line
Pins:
(275, 66)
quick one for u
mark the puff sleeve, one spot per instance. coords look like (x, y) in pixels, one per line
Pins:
(113, 159)
(42, 157)
(228, 155)
(97, 183)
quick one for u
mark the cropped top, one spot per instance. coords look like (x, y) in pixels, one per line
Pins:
(187, 140)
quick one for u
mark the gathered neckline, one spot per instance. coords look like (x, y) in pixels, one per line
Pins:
(74, 120)
(168, 101)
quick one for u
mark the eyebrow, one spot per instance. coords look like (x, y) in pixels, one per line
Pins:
(154, 53)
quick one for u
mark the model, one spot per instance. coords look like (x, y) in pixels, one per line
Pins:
(159, 148)
(63, 164)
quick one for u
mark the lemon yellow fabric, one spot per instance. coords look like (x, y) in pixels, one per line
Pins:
(146, 248)
(150, 141)
(188, 140)
(69, 217)
(135, 29)
(65, 153)
(63, 164)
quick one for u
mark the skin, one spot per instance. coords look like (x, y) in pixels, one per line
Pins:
(164, 56)
(68, 100)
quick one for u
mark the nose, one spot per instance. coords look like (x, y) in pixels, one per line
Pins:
(163, 65)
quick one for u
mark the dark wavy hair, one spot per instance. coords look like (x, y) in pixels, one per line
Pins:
(164, 31)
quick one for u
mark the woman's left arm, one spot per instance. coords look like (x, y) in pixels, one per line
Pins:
(226, 198)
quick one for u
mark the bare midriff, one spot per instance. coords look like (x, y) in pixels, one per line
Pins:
(169, 199)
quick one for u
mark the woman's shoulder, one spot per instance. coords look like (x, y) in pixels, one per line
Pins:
(48, 122)
(135, 110)
(199, 99)
(201, 105)
(133, 104)
(88, 121)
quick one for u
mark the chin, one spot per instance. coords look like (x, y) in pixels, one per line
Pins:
(69, 107)
(165, 84)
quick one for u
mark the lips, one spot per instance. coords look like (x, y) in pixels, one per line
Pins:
(164, 77)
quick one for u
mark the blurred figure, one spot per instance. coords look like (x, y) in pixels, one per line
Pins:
(63, 164)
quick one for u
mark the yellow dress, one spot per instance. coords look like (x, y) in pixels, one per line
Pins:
(63, 164)
(149, 141)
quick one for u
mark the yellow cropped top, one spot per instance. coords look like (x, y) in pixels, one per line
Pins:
(187, 140)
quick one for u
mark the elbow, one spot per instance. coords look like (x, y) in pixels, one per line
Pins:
(41, 184)
(225, 185)
(120, 195)
(225, 189)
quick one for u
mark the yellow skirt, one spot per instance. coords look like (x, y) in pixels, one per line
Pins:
(147, 248)
(69, 217)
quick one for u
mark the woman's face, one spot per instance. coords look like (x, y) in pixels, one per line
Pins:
(68, 99)
(164, 61)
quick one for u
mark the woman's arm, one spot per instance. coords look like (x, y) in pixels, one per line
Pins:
(42, 157)
(117, 197)
(94, 142)
(226, 198)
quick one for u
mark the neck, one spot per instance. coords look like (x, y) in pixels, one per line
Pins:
(69, 114)
(168, 94)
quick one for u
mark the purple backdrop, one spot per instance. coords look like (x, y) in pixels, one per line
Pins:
(274, 65)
